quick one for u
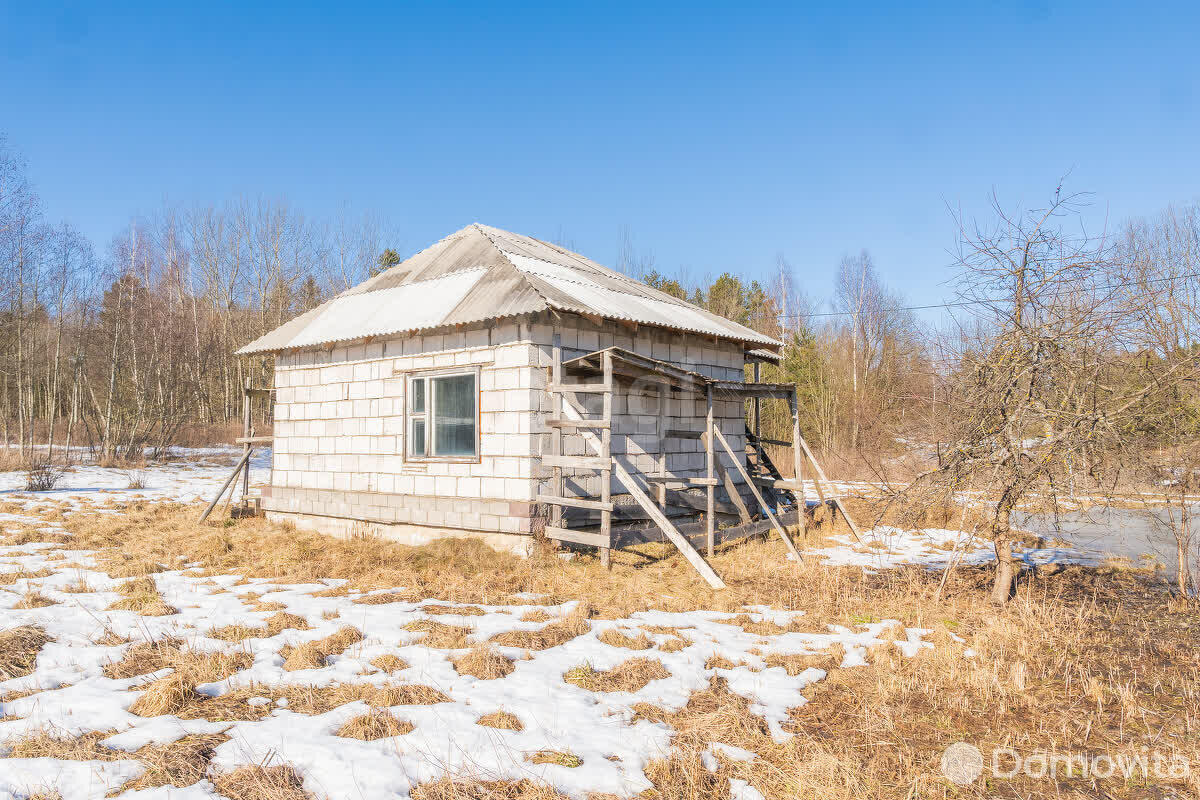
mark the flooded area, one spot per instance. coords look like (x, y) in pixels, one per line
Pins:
(1134, 534)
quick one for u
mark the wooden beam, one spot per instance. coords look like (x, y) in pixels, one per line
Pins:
(757, 494)
(576, 424)
(577, 462)
(675, 433)
(671, 479)
(734, 494)
(578, 537)
(575, 502)
(585, 388)
(254, 439)
(240, 465)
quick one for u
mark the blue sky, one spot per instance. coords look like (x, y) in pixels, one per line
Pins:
(720, 135)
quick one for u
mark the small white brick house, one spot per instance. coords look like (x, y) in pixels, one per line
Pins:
(416, 404)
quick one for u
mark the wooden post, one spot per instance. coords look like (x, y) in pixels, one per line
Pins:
(556, 512)
(798, 464)
(710, 514)
(246, 433)
(663, 394)
(606, 474)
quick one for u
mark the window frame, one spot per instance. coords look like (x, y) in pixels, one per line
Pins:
(429, 418)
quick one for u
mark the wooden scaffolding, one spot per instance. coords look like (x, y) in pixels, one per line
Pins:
(768, 488)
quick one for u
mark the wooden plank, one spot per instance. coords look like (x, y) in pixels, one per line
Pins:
(675, 433)
(757, 494)
(734, 495)
(672, 479)
(590, 538)
(576, 462)
(585, 388)
(575, 502)
(573, 409)
(264, 394)
(778, 483)
(780, 391)
(577, 424)
(255, 439)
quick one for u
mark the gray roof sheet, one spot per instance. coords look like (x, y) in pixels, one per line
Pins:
(481, 273)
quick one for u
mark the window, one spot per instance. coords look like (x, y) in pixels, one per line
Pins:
(443, 418)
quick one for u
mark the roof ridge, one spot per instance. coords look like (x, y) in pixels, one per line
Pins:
(504, 255)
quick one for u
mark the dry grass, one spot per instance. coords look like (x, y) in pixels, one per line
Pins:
(375, 724)
(34, 599)
(468, 789)
(234, 705)
(262, 783)
(628, 676)
(483, 662)
(502, 720)
(462, 611)
(19, 648)
(141, 595)
(548, 636)
(277, 623)
(1083, 659)
(389, 663)
(181, 763)
(312, 655)
(616, 638)
(560, 757)
(9, 578)
(177, 691)
(439, 634)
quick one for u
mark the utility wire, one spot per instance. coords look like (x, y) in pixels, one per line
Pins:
(970, 302)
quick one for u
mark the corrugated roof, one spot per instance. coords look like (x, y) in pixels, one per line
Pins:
(481, 273)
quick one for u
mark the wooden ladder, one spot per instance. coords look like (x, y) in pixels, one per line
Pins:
(601, 462)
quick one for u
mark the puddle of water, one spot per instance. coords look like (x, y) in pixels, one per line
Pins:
(1123, 532)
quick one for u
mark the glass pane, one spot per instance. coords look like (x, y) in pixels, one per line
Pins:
(416, 439)
(454, 415)
(417, 400)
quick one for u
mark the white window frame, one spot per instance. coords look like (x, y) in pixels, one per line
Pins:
(410, 415)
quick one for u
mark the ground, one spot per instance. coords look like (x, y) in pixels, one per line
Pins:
(143, 655)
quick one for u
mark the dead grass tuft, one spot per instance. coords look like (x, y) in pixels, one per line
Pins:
(439, 634)
(375, 724)
(389, 663)
(462, 611)
(262, 783)
(34, 599)
(628, 676)
(502, 720)
(467, 789)
(560, 757)
(9, 578)
(19, 648)
(312, 655)
(141, 595)
(616, 638)
(548, 636)
(484, 662)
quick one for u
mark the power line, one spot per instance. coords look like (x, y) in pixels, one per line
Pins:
(970, 302)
